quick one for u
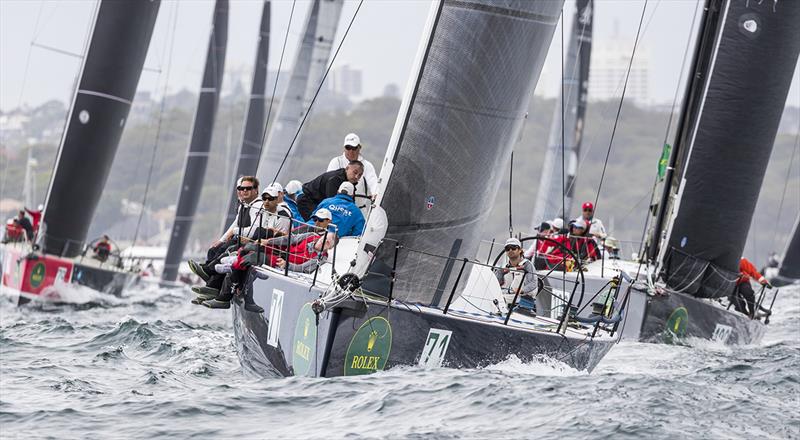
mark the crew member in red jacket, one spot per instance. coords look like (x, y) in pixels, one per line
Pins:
(743, 297)
(36, 217)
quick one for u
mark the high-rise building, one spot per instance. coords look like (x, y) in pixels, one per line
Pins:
(610, 59)
(346, 81)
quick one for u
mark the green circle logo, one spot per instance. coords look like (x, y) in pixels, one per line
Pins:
(369, 349)
(37, 275)
(305, 341)
(678, 321)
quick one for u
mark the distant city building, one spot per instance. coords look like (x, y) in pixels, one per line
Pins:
(391, 91)
(346, 81)
(609, 65)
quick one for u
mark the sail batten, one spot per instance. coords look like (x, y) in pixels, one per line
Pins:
(749, 67)
(101, 104)
(454, 135)
(200, 143)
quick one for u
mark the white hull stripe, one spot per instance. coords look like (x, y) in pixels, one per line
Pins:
(104, 95)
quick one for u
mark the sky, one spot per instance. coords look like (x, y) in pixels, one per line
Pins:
(382, 42)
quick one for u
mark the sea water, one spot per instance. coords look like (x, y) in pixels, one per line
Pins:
(153, 365)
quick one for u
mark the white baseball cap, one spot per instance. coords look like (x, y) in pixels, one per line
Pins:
(294, 187)
(557, 223)
(271, 190)
(322, 214)
(277, 186)
(352, 140)
(513, 242)
(347, 187)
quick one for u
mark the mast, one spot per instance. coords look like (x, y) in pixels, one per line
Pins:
(109, 76)
(309, 68)
(725, 150)
(460, 117)
(576, 83)
(200, 144)
(254, 122)
(790, 263)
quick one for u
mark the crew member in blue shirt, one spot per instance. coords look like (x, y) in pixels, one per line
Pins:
(346, 216)
(292, 190)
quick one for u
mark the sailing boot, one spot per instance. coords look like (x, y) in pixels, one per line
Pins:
(198, 270)
(223, 299)
(204, 293)
(249, 304)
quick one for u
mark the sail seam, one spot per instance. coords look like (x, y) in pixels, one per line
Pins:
(499, 10)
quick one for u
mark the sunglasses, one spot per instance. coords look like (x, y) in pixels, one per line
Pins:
(244, 188)
(512, 248)
(588, 210)
(269, 199)
(350, 148)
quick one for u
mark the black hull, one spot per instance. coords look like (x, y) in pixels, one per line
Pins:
(687, 317)
(361, 339)
(112, 282)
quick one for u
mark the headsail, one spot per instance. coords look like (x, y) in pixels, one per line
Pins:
(254, 122)
(459, 120)
(200, 144)
(576, 83)
(743, 69)
(790, 263)
(309, 67)
(110, 73)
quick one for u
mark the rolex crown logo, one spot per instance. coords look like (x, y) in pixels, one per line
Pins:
(373, 336)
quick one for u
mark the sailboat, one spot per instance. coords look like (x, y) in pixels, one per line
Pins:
(549, 199)
(394, 296)
(250, 151)
(715, 171)
(788, 271)
(307, 73)
(200, 143)
(109, 76)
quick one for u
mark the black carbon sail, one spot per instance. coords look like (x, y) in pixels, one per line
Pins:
(457, 125)
(575, 89)
(200, 144)
(254, 122)
(790, 263)
(109, 76)
(744, 63)
(309, 67)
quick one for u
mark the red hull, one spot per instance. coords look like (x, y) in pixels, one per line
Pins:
(36, 275)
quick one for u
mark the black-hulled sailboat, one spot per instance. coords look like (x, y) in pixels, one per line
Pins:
(200, 143)
(109, 76)
(746, 55)
(788, 270)
(478, 63)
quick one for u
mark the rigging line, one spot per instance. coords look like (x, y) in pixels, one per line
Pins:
(158, 126)
(563, 129)
(619, 108)
(785, 185)
(321, 83)
(275, 86)
(510, 187)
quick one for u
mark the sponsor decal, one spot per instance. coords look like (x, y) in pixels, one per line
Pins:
(677, 321)
(429, 202)
(275, 312)
(305, 341)
(369, 349)
(37, 275)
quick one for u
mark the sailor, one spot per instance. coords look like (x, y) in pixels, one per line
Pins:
(368, 183)
(596, 228)
(582, 246)
(517, 274)
(36, 216)
(102, 249)
(307, 251)
(743, 298)
(320, 220)
(23, 222)
(282, 208)
(327, 185)
(276, 218)
(347, 217)
(557, 226)
(541, 248)
(249, 207)
(293, 189)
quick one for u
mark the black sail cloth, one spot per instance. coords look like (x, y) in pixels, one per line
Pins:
(109, 77)
(729, 143)
(472, 92)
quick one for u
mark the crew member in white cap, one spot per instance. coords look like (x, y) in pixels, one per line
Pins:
(368, 183)
(517, 274)
(346, 216)
(276, 219)
(290, 193)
